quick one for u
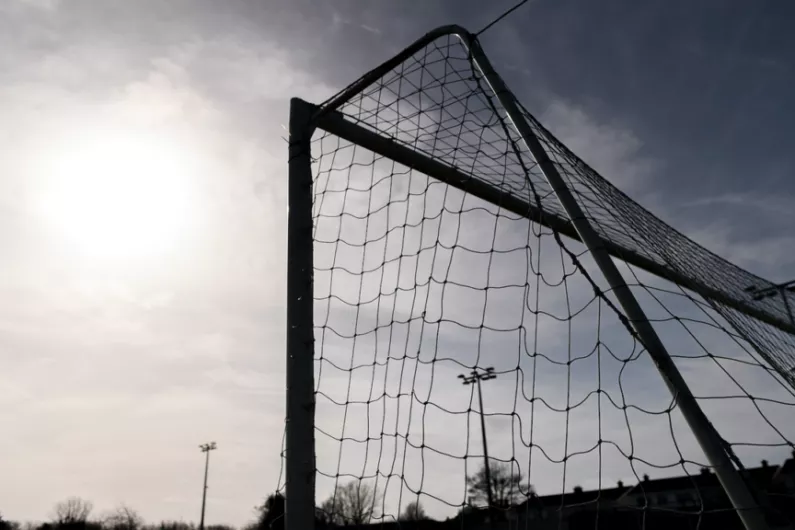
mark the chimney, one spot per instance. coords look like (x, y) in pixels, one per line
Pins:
(620, 484)
(577, 490)
(764, 463)
(645, 478)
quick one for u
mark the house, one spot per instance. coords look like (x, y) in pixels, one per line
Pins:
(691, 501)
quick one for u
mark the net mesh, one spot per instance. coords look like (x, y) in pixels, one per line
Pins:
(417, 282)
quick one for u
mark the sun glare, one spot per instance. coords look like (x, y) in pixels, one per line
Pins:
(118, 196)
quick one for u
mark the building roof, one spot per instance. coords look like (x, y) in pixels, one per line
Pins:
(705, 480)
(575, 498)
(787, 468)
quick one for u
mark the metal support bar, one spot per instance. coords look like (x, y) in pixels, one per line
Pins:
(708, 438)
(335, 123)
(373, 75)
(300, 433)
(786, 288)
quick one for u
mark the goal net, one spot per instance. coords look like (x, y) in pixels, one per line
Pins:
(442, 252)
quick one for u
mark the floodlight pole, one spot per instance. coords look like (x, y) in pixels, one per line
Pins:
(708, 438)
(476, 377)
(205, 448)
(299, 444)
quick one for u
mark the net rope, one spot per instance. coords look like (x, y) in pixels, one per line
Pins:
(417, 282)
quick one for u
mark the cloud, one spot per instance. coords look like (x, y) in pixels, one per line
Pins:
(766, 256)
(778, 207)
(241, 70)
(167, 354)
(47, 5)
(614, 151)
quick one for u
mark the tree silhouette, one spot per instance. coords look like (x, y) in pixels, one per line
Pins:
(171, 525)
(73, 511)
(5, 524)
(353, 503)
(123, 518)
(506, 485)
(413, 512)
(271, 513)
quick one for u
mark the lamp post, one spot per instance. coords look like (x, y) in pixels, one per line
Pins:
(205, 448)
(476, 376)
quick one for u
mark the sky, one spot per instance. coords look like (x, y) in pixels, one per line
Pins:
(164, 122)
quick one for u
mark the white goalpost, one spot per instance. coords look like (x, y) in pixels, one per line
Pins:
(437, 229)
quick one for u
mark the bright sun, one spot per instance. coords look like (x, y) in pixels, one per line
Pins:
(118, 195)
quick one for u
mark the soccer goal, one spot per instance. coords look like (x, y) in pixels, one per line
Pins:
(483, 330)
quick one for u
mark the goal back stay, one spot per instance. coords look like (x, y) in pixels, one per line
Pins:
(437, 229)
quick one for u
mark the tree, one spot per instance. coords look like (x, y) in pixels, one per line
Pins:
(413, 512)
(123, 518)
(72, 511)
(506, 485)
(5, 524)
(171, 525)
(351, 504)
(271, 513)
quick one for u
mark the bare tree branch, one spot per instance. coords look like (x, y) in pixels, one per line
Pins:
(123, 518)
(506, 485)
(352, 503)
(414, 512)
(73, 510)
